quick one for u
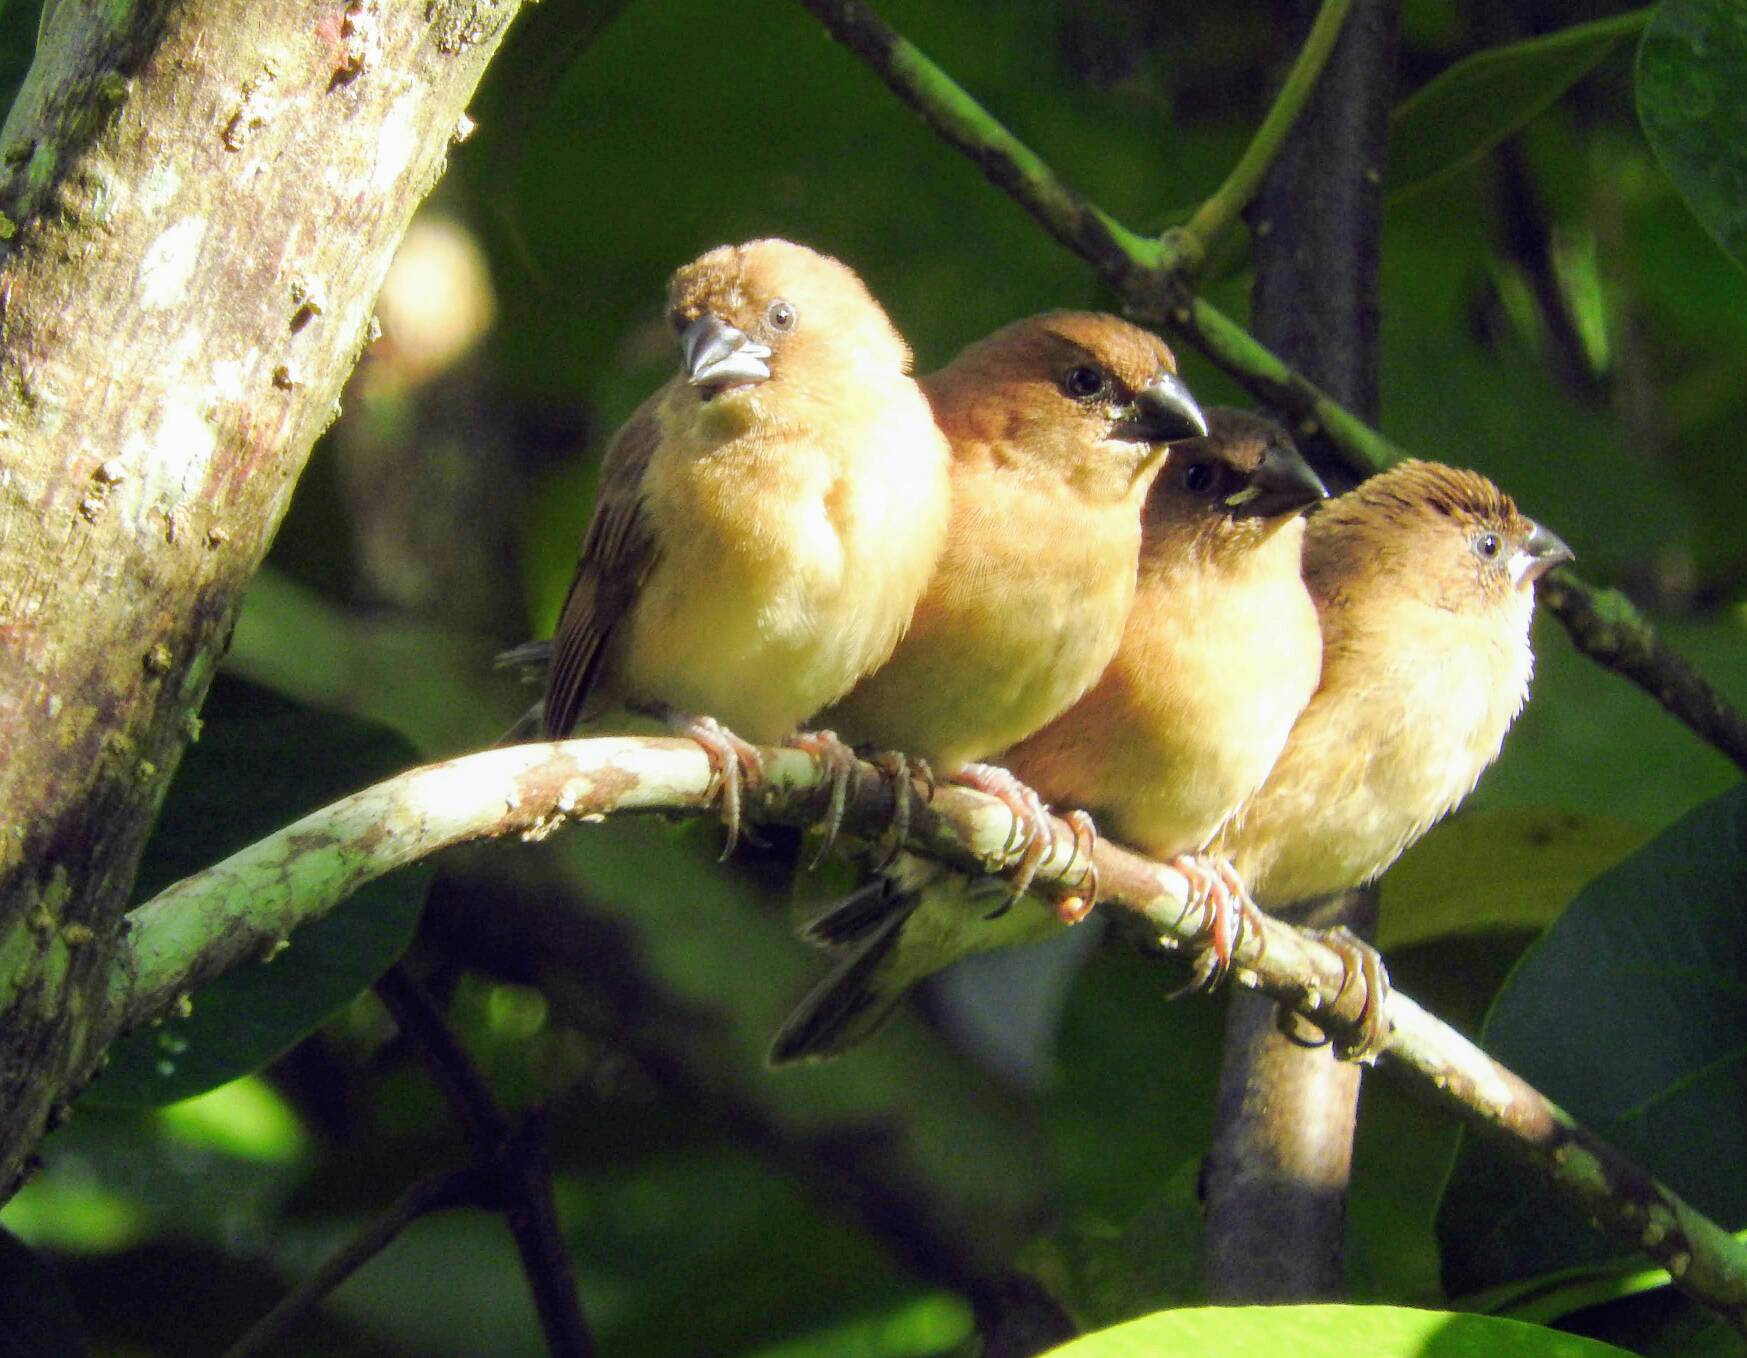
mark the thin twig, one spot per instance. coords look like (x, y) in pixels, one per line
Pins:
(1215, 216)
(1603, 625)
(1314, 413)
(873, 1173)
(1010, 165)
(1605, 1186)
(454, 1188)
(463, 1088)
(511, 1165)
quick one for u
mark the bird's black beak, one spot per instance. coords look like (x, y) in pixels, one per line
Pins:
(1541, 550)
(716, 355)
(1165, 412)
(1282, 484)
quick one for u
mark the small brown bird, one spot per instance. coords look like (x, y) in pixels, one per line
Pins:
(1221, 652)
(1058, 425)
(766, 521)
(1424, 579)
(1219, 655)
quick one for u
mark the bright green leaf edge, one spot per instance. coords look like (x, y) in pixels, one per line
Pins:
(1328, 1332)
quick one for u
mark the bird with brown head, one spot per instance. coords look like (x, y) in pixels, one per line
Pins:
(1218, 655)
(1058, 425)
(1424, 580)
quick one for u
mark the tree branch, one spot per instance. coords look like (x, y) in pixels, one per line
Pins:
(1152, 289)
(1011, 166)
(250, 903)
(512, 1165)
(436, 1194)
(1605, 627)
(1596, 1181)
(1275, 1180)
(1223, 206)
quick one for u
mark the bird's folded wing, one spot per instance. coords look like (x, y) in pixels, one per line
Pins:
(617, 555)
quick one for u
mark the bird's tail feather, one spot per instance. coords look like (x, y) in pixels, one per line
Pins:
(849, 1005)
(858, 915)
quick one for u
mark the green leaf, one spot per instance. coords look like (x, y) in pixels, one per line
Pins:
(1630, 1013)
(1475, 104)
(1551, 1297)
(433, 685)
(1534, 861)
(260, 764)
(661, 1243)
(1692, 101)
(1334, 1331)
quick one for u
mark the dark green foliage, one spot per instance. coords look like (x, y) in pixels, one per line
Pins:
(37, 1319)
(1692, 99)
(1649, 966)
(260, 763)
(621, 976)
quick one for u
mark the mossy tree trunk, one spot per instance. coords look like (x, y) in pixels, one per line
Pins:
(200, 199)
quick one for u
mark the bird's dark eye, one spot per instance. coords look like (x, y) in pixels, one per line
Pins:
(781, 315)
(1198, 477)
(1083, 383)
(1488, 546)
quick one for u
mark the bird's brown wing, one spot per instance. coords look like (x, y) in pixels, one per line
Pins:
(618, 553)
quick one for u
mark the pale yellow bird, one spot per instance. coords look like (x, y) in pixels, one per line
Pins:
(766, 521)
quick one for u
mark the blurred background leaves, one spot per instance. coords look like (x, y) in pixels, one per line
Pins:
(1555, 314)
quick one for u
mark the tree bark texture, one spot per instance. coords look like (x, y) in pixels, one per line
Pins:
(200, 200)
(1283, 1137)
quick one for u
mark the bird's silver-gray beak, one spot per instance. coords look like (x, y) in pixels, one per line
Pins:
(1541, 550)
(1165, 411)
(1283, 484)
(715, 354)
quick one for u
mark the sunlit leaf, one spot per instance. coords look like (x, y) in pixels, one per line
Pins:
(1334, 1331)
(929, 1324)
(1549, 1298)
(1692, 101)
(244, 1118)
(74, 1214)
(1497, 870)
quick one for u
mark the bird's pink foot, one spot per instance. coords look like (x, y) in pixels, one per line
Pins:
(733, 763)
(1227, 911)
(1030, 836)
(836, 764)
(1077, 904)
